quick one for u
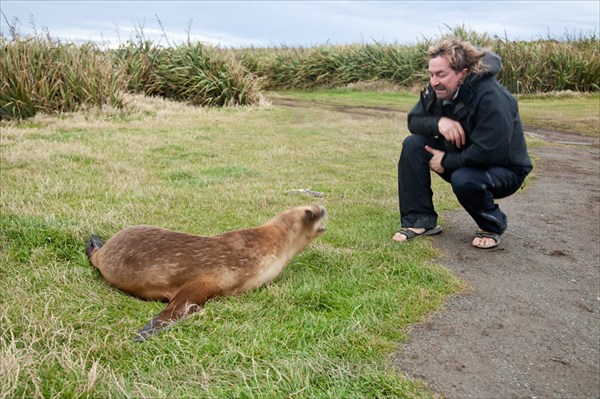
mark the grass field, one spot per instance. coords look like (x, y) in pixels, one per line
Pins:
(325, 328)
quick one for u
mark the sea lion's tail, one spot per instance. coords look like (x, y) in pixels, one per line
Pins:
(93, 244)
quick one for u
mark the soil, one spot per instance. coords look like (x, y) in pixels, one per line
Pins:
(528, 325)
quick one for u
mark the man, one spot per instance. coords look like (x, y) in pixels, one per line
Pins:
(466, 128)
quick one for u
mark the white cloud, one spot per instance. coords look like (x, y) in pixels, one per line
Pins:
(301, 23)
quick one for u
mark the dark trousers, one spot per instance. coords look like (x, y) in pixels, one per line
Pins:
(475, 188)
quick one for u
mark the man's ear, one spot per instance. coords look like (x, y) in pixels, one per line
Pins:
(464, 74)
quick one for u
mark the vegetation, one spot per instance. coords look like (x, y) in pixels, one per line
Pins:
(324, 328)
(549, 65)
(39, 75)
(564, 111)
(42, 74)
(529, 67)
(193, 73)
(335, 66)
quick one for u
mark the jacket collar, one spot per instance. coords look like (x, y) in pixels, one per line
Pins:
(462, 100)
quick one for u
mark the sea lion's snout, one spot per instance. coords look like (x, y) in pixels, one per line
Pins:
(321, 214)
(321, 229)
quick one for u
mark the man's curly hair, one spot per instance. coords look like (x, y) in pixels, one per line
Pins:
(460, 54)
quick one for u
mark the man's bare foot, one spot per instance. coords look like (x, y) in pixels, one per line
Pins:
(485, 240)
(405, 234)
(401, 237)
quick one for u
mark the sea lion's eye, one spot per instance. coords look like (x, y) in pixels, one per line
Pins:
(310, 215)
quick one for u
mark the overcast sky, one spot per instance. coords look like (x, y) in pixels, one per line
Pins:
(297, 23)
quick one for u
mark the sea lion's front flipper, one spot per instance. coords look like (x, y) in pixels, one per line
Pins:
(189, 300)
(152, 327)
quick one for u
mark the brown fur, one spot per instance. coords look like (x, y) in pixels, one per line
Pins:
(187, 270)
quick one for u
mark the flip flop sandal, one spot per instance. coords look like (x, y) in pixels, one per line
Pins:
(486, 234)
(411, 234)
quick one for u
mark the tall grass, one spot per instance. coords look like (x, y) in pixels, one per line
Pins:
(202, 75)
(335, 66)
(191, 72)
(45, 75)
(550, 65)
(138, 60)
(40, 74)
(545, 65)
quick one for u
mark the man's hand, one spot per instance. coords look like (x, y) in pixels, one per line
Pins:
(435, 163)
(452, 131)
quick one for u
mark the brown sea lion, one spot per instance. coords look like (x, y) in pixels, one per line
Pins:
(186, 270)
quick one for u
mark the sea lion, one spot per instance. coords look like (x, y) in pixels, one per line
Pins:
(187, 270)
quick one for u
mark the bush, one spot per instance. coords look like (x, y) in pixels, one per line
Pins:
(49, 76)
(194, 73)
(40, 74)
(545, 65)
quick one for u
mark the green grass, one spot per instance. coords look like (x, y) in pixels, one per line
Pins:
(569, 112)
(564, 111)
(391, 98)
(325, 328)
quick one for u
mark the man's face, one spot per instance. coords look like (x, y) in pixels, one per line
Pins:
(443, 79)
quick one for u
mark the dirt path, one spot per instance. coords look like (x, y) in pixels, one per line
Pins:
(529, 327)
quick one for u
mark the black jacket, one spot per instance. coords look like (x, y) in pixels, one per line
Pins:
(489, 115)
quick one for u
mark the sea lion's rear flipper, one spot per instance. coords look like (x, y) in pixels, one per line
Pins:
(189, 300)
(93, 244)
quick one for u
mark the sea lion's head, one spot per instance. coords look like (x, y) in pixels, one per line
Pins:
(314, 217)
(303, 223)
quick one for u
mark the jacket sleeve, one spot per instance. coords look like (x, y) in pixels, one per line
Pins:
(420, 122)
(490, 136)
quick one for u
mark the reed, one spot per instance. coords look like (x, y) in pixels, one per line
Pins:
(550, 65)
(545, 65)
(192, 72)
(42, 74)
(138, 60)
(204, 75)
